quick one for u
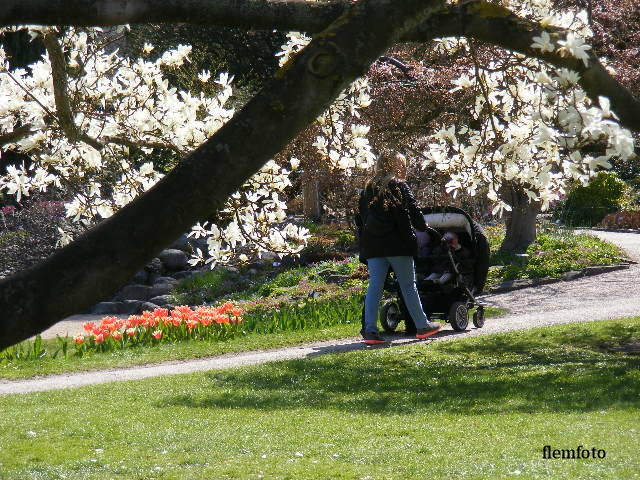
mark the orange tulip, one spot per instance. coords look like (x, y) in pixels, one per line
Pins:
(157, 334)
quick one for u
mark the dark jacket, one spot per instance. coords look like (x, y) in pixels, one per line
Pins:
(387, 230)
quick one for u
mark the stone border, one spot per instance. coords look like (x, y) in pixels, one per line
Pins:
(511, 285)
(614, 230)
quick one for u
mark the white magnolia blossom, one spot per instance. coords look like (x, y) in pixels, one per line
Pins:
(534, 122)
(126, 110)
(534, 119)
(342, 142)
(253, 213)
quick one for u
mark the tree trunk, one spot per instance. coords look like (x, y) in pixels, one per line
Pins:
(520, 222)
(311, 198)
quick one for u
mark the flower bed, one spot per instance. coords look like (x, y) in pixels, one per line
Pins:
(185, 324)
(151, 327)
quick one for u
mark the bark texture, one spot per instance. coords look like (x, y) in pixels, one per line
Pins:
(520, 222)
(99, 262)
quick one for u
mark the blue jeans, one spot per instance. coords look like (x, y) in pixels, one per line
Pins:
(405, 272)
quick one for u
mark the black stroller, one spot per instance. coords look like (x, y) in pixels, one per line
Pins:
(451, 301)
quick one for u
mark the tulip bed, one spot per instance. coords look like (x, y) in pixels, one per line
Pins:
(181, 323)
(193, 330)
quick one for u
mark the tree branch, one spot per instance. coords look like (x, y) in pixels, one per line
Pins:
(477, 19)
(15, 136)
(60, 82)
(100, 261)
(250, 14)
(502, 28)
(404, 68)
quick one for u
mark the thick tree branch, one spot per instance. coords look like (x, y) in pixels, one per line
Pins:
(250, 14)
(476, 19)
(100, 261)
(64, 112)
(503, 29)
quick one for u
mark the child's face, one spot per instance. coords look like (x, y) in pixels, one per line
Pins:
(452, 241)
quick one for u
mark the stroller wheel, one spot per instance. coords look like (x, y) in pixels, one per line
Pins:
(478, 317)
(390, 316)
(458, 316)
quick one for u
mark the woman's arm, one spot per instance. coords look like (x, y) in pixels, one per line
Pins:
(362, 212)
(409, 203)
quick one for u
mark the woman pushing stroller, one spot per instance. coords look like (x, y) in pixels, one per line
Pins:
(387, 216)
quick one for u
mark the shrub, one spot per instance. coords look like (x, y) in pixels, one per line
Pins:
(586, 206)
(29, 235)
(329, 242)
(210, 285)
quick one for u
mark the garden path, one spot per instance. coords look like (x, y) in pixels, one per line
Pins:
(606, 296)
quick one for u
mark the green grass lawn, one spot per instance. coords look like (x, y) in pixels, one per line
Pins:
(480, 407)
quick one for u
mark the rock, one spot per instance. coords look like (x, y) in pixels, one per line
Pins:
(174, 259)
(147, 306)
(181, 243)
(200, 243)
(153, 277)
(572, 275)
(161, 288)
(170, 280)
(162, 300)
(130, 307)
(135, 292)
(337, 279)
(595, 270)
(154, 266)
(269, 256)
(256, 266)
(140, 277)
(512, 285)
(252, 271)
(106, 308)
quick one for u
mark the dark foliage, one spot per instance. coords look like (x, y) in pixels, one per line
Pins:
(29, 235)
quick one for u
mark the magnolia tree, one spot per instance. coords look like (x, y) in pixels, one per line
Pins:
(94, 117)
(350, 36)
(334, 151)
(534, 131)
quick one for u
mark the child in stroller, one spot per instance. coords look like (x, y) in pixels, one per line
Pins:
(452, 265)
(442, 271)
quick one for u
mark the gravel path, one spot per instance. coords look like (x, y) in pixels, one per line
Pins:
(606, 296)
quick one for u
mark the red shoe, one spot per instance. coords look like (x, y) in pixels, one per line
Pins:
(432, 329)
(373, 338)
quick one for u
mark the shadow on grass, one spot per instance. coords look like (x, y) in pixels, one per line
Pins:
(523, 373)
